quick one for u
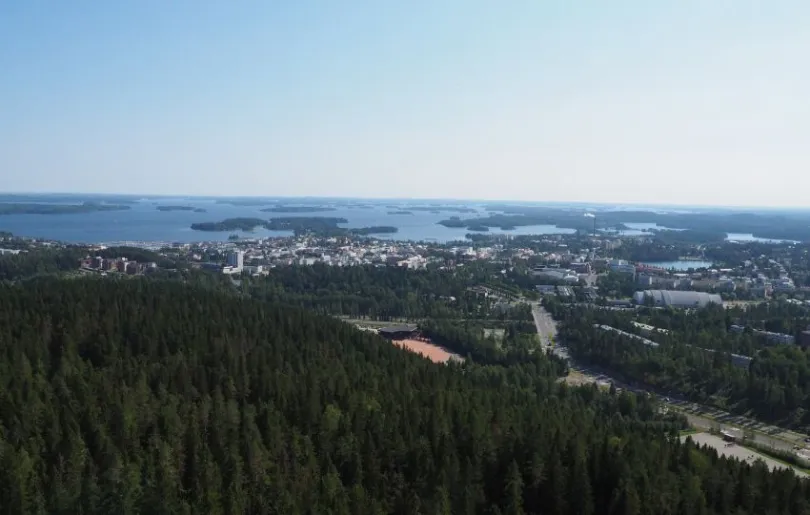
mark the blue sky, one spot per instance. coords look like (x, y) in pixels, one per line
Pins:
(677, 102)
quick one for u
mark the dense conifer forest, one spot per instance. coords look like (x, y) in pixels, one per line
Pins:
(384, 293)
(142, 396)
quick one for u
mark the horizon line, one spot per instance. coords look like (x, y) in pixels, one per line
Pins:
(634, 203)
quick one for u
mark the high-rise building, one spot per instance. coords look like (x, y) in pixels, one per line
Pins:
(236, 259)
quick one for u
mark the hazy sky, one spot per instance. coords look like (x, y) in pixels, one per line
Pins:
(670, 101)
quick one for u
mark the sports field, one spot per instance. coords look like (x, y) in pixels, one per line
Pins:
(427, 349)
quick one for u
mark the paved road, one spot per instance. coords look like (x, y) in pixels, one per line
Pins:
(546, 326)
(700, 416)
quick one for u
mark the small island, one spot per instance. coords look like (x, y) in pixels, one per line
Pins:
(478, 228)
(401, 212)
(298, 209)
(505, 222)
(174, 208)
(453, 222)
(247, 202)
(304, 224)
(58, 209)
(200, 210)
(437, 209)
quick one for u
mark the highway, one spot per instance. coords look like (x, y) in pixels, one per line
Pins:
(700, 416)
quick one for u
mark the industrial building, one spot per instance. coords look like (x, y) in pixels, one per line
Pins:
(398, 332)
(556, 274)
(677, 299)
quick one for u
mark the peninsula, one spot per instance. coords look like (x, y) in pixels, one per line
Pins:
(376, 229)
(57, 209)
(229, 224)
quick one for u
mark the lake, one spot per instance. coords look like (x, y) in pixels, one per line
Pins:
(144, 223)
(745, 238)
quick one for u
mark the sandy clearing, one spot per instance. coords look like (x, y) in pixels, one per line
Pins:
(427, 349)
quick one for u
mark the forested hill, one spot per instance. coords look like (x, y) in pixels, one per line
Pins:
(141, 396)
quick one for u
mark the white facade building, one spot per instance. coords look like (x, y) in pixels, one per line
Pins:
(677, 299)
(236, 259)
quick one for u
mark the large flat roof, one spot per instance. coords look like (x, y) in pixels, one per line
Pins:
(401, 328)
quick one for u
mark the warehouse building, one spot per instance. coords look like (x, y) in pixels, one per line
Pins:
(677, 299)
(398, 332)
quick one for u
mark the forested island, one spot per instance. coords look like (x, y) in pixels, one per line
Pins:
(298, 209)
(300, 224)
(711, 225)
(57, 209)
(437, 209)
(454, 222)
(400, 212)
(323, 226)
(179, 208)
(162, 397)
(65, 198)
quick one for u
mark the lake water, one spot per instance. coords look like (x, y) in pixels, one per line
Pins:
(143, 222)
(641, 228)
(745, 238)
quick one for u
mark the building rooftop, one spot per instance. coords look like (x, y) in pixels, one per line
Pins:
(401, 328)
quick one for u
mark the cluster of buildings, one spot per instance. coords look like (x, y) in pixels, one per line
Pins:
(118, 265)
(556, 274)
(776, 338)
(630, 336)
(748, 280)
(257, 257)
(738, 360)
(768, 336)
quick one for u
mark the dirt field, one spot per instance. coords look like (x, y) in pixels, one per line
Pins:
(433, 352)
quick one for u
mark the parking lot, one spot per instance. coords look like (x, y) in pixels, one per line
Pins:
(739, 452)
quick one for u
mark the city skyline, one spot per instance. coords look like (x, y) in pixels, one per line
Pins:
(692, 104)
